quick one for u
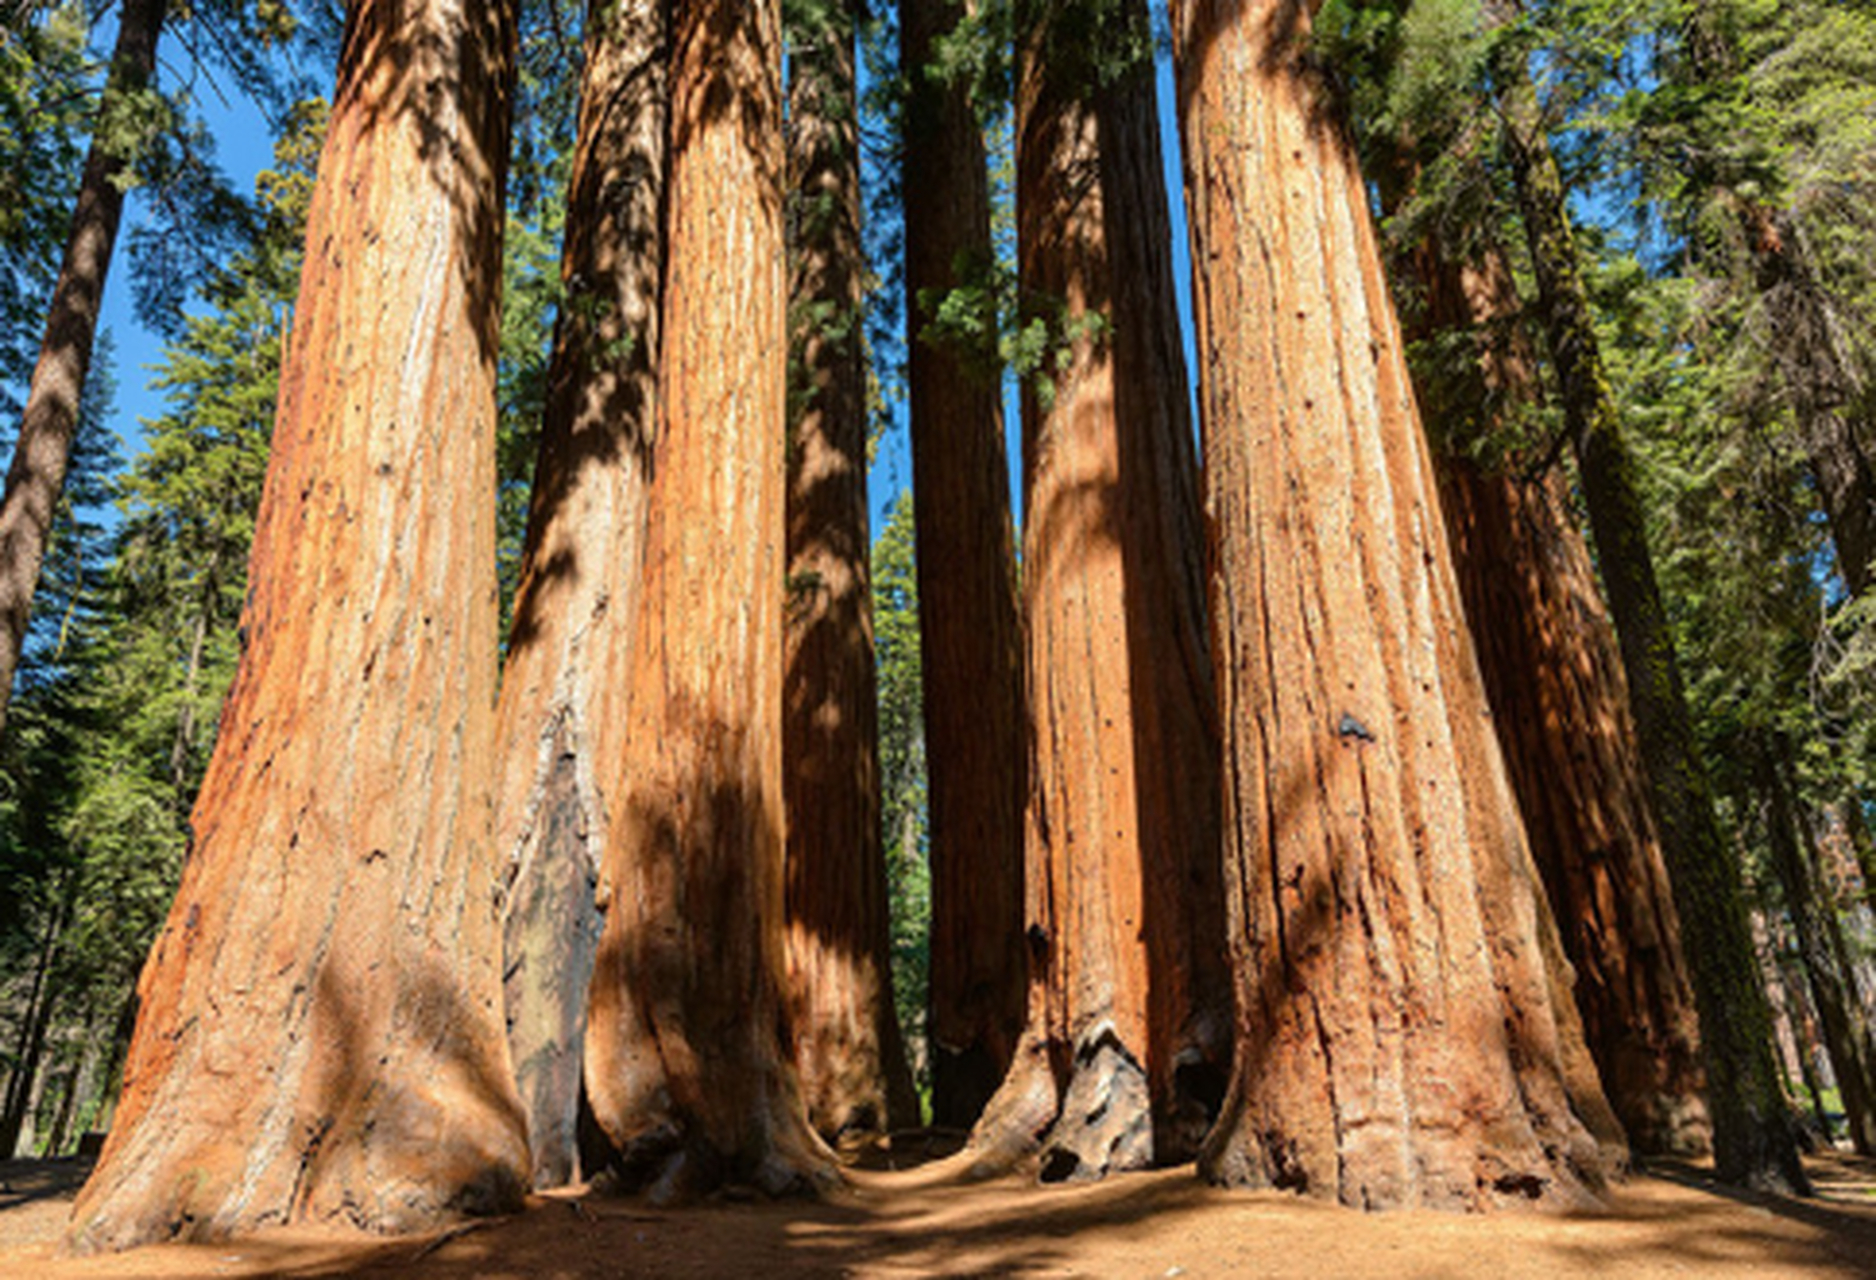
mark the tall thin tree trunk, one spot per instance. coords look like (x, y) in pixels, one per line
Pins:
(320, 1028)
(36, 476)
(850, 1053)
(1827, 395)
(1560, 706)
(1820, 946)
(561, 726)
(23, 1079)
(967, 593)
(1752, 1138)
(1794, 1058)
(1128, 994)
(689, 1065)
(1400, 1035)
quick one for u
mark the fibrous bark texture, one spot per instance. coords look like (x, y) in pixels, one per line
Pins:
(1752, 1138)
(561, 726)
(967, 594)
(1560, 705)
(854, 1076)
(689, 1066)
(41, 455)
(1399, 1040)
(320, 1033)
(1124, 1057)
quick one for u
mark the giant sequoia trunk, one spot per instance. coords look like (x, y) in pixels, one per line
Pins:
(1400, 1037)
(1127, 989)
(1820, 941)
(967, 593)
(854, 1075)
(1560, 705)
(41, 455)
(560, 728)
(1752, 1138)
(320, 1035)
(688, 1062)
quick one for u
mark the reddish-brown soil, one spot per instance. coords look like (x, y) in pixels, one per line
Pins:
(1146, 1225)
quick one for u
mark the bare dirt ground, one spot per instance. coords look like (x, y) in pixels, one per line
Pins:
(1671, 1222)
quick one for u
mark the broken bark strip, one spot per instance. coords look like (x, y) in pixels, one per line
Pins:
(689, 1067)
(1123, 1060)
(1398, 1038)
(561, 725)
(320, 1033)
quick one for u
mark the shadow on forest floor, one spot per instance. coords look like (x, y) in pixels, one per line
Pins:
(1161, 1224)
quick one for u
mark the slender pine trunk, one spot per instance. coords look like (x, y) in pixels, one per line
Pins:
(36, 476)
(1752, 1139)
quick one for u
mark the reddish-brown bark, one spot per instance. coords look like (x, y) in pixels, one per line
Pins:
(560, 731)
(1560, 705)
(1400, 1040)
(967, 595)
(854, 1075)
(320, 1035)
(689, 1067)
(1127, 987)
(36, 476)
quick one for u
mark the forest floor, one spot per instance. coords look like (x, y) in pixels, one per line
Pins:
(1670, 1222)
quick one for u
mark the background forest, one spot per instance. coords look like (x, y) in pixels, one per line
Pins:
(1685, 189)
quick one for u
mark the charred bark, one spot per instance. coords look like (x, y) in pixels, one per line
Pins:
(689, 1065)
(971, 641)
(1399, 1035)
(320, 1033)
(41, 455)
(560, 728)
(854, 1075)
